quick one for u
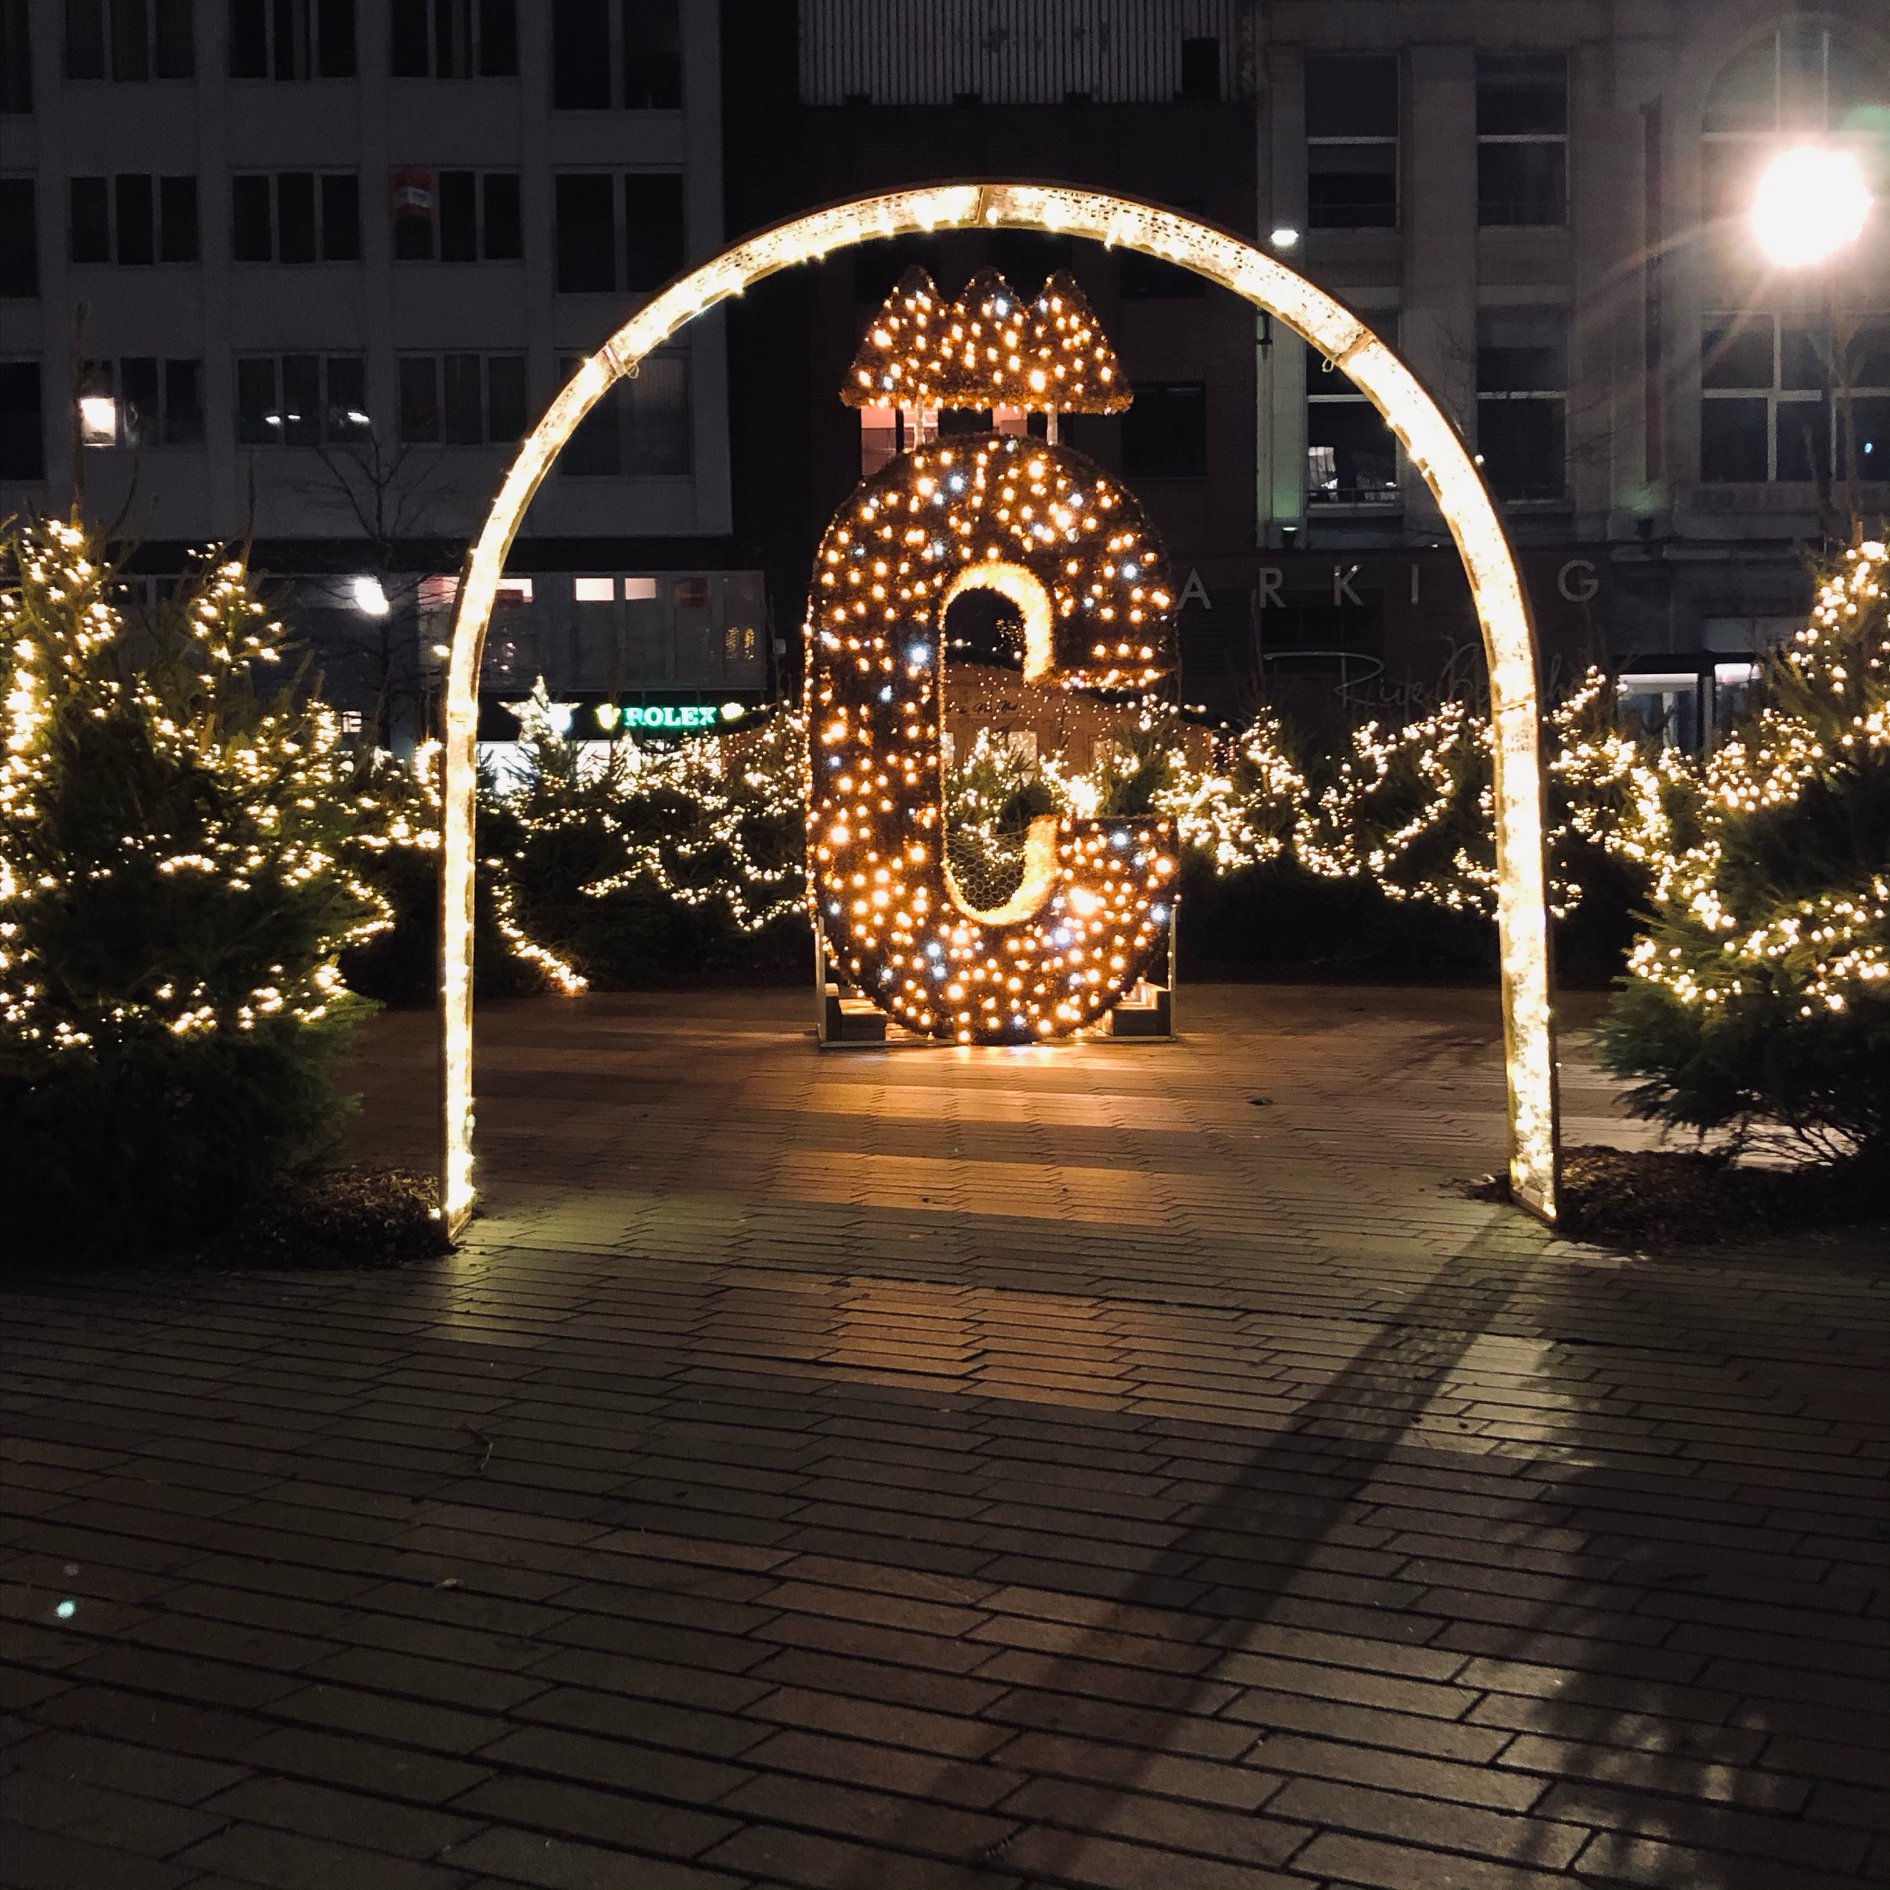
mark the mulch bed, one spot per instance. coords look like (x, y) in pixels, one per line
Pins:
(1684, 1197)
(339, 1217)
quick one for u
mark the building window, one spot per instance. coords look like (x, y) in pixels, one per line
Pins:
(1352, 143)
(140, 401)
(22, 435)
(641, 427)
(1768, 386)
(885, 432)
(457, 216)
(16, 58)
(129, 39)
(1522, 401)
(19, 238)
(462, 399)
(1522, 139)
(454, 39)
(1351, 455)
(609, 238)
(292, 39)
(296, 217)
(1164, 435)
(623, 53)
(301, 399)
(1799, 81)
(133, 218)
(1200, 71)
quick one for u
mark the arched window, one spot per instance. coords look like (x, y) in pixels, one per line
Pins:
(1801, 80)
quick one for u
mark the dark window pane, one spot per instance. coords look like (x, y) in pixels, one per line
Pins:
(459, 217)
(258, 420)
(1352, 186)
(249, 40)
(653, 227)
(498, 39)
(22, 440)
(341, 218)
(183, 403)
(652, 55)
(1522, 351)
(1804, 440)
(1804, 356)
(249, 218)
(295, 217)
(504, 235)
(345, 414)
(137, 229)
(449, 50)
(595, 445)
(301, 399)
(131, 39)
(656, 407)
(91, 220)
(505, 397)
(1164, 435)
(580, 54)
(1522, 184)
(407, 29)
(419, 399)
(1351, 98)
(290, 60)
(177, 219)
(138, 401)
(1520, 442)
(461, 374)
(1201, 70)
(1521, 92)
(414, 205)
(1351, 456)
(1866, 355)
(1732, 440)
(334, 27)
(1867, 426)
(16, 57)
(85, 39)
(19, 238)
(586, 235)
(176, 46)
(1736, 353)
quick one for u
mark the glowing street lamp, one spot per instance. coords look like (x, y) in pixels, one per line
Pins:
(1811, 202)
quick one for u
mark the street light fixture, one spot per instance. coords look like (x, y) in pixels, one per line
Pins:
(1811, 202)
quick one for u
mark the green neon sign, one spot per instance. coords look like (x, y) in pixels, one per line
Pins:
(677, 718)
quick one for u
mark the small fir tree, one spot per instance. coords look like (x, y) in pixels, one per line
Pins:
(1761, 992)
(175, 824)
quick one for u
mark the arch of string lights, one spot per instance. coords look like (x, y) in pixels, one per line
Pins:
(1436, 452)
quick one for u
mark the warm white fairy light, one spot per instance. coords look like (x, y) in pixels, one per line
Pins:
(1436, 451)
(271, 796)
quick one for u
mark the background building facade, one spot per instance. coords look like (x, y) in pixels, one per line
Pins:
(305, 270)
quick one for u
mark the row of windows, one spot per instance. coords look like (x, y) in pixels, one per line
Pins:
(643, 426)
(1800, 79)
(610, 232)
(604, 53)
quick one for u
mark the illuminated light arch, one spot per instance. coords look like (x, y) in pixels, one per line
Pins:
(1436, 452)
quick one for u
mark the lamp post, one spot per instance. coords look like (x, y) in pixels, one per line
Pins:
(1811, 206)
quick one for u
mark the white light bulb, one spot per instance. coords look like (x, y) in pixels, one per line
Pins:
(1811, 203)
(369, 597)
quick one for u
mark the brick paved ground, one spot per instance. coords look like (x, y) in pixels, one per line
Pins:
(1120, 1466)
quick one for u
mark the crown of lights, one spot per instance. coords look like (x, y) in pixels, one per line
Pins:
(990, 348)
(897, 361)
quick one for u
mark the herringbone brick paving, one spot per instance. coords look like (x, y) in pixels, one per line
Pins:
(1124, 1466)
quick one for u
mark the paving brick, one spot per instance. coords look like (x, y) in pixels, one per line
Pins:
(45, 1801)
(1124, 1809)
(55, 1860)
(371, 1822)
(286, 1860)
(1347, 1807)
(1295, 1754)
(558, 1863)
(624, 1818)
(1361, 1860)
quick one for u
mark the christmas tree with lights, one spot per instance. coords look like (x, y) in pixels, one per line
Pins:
(177, 825)
(1760, 996)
